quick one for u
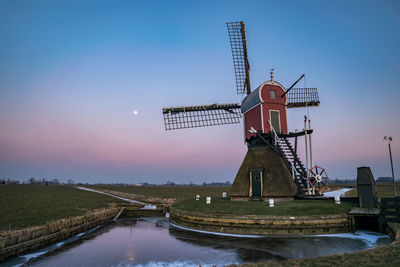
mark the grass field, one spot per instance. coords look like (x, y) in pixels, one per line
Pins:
(382, 190)
(185, 195)
(292, 208)
(181, 192)
(177, 192)
(30, 205)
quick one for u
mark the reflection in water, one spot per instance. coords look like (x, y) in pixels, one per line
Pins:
(153, 242)
(247, 249)
(279, 248)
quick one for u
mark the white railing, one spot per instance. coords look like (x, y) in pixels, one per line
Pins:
(274, 132)
(278, 141)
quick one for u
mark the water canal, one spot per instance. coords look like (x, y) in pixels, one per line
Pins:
(155, 242)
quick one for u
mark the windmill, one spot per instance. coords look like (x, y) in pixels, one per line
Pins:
(265, 129)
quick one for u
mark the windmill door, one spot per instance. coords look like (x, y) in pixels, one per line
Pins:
(275, 120)
(256, 183)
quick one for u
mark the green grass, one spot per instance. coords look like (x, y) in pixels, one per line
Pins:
(177, 192)
(289, 208)
(30, 205)
(382, 190)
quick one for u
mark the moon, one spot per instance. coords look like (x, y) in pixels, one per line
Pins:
(135, 112)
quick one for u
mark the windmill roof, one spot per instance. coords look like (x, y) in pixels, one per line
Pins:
(254, 98)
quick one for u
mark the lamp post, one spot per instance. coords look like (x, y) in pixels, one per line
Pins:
(389, 138)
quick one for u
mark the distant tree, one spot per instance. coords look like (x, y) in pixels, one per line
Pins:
(70, 181)
(55, 181)
(32, 180)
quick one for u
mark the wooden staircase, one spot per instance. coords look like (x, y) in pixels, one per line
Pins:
(292, 160)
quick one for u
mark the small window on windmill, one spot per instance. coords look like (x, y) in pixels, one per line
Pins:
(272, 94)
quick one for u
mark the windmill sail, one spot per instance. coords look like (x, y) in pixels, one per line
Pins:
(237, 37)
(200, 116)
(303, 97)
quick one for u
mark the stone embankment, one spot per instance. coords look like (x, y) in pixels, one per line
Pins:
(18, 241)
(262, 224)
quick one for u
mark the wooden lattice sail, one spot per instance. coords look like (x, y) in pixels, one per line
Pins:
(237, 37)
(200, 116)
(303, 97)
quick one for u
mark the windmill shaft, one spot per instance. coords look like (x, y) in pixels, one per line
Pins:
(287, 91)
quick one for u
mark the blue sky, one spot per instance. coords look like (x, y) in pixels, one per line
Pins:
(72, 72)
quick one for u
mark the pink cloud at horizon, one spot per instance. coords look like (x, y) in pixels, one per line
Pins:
(78, 144)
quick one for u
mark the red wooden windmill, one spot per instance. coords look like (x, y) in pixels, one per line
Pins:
(264, 112)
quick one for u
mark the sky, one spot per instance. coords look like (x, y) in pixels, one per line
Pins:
(72, 73)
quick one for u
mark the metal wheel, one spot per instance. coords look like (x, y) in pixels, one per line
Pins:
(318, 178)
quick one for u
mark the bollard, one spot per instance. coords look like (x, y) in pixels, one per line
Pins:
(337, 199)
(197, 197)
(224, 194)
(271, 203)
(208, 200)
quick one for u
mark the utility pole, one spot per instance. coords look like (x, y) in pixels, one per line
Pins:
(389, 138)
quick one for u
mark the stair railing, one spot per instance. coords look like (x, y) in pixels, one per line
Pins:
(277, 141)
(276, 138)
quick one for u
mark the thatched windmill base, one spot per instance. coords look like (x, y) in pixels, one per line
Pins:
(263, 175)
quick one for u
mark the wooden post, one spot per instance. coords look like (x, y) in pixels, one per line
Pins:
(391, 164)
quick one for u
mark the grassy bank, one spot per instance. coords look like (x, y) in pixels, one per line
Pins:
(292, 208)
(30, 205)
(382, 190)
(177, 192)
(380, 256)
